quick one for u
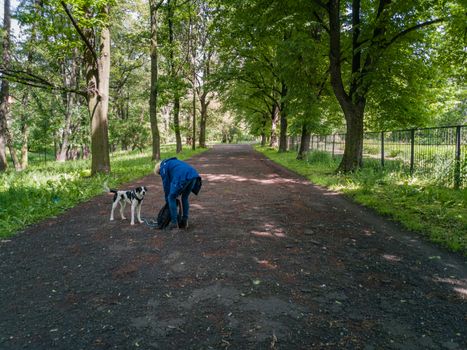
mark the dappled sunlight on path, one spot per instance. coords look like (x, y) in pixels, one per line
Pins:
(272, 180)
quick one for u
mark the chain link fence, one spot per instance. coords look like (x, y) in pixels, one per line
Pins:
(437, 153)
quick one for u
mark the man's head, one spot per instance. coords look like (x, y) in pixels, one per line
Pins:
(157, 168)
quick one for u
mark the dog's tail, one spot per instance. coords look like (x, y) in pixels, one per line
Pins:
(107, 189)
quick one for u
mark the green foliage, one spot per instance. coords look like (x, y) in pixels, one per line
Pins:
(44, 191)
(422, 206)
(393, 153)
(320, 157)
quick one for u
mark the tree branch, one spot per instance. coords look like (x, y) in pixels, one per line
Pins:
(335, 51)
(324, 5)
(80, 32)
(411, 29)
(29, 79)
(156, 5)
(321, 21)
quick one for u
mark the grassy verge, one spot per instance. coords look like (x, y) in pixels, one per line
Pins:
(45, 190)
(437, 212)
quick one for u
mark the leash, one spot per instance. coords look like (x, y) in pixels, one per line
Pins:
(151, 223)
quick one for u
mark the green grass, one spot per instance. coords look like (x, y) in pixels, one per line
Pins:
(421, 206)
(46, 190)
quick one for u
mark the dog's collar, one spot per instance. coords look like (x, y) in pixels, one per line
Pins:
(133, 194)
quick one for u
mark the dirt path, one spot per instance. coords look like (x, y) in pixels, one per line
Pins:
(269, 262)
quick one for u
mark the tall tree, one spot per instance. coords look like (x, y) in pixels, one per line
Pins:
(70, 72)
(6, 139)
(204, 83)
(154, 6)
(24, 116)
(174, 74)
(193, 48)
(97, 73)
(4, 88)
(371, 34)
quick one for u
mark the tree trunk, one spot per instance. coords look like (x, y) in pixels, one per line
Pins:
(173, 74)
(193, 137)
(176, 112)
(97, 79)
(24, 133)
(283, 113)
(156, 140)
(203, 119)
(352, 104)
(69, 80)
(4, 88)
(193, 66)
(304, 142)
(353, 150)
(6, 139)
(263, 130)
(274, 120)
(24, 118)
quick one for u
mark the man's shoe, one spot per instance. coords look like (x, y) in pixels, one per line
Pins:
(184, 223)
(172, 226)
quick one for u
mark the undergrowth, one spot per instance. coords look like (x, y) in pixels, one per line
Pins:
(46, 190)
(420, 205)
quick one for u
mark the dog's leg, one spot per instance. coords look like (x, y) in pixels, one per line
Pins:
(133, 205)
(114, 205)
(138, 210)
(122, 208)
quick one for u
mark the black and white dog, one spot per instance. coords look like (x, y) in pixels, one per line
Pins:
(134, 197)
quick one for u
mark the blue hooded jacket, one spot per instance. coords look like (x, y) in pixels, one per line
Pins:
(175, 174)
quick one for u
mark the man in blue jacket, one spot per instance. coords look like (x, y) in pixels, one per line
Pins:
(178, 178)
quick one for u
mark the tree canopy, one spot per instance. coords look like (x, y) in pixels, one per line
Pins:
(84, 78)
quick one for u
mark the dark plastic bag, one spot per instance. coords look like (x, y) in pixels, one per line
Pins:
(163, 217)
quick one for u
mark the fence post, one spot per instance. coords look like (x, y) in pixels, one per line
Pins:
(412, 150)
(382, 149)
(333, 142)
(312, 137)
(457, 167)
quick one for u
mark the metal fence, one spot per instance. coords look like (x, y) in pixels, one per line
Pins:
(437, 153)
